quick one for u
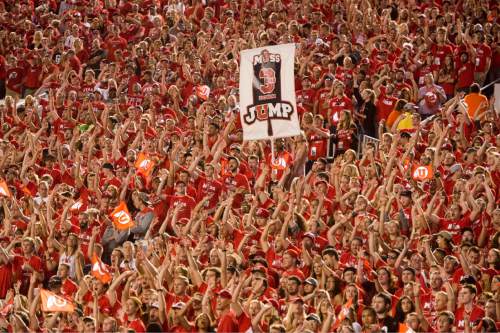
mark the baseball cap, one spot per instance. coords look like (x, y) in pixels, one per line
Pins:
(410, 106)
(224, 293)
(313, 316)
(235, 146)
(312, 281)
(445, 234)
(293, 253)
(406, 193)
(178, 305)
(310, 235)
(296, 278)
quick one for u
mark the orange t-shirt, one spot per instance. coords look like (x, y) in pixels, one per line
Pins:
(474, 101)
(392, 118)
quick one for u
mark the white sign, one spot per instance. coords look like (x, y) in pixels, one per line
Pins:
(267, 93)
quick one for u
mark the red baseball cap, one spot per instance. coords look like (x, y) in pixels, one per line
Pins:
(293, 253)
(224, 293)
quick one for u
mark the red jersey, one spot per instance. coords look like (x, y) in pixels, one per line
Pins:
(233, 182)
(211, 188)
(15, 79)
(440, 52)
(455, 226)
(318, 145)
(465, 74)
(116, 43)
(483, 54)
(25, 275)
(338, 104)
(475, 315)
(344, 138)
(186, 203)
(385, 105)
(228, 323)
(305, 98)
(323, 102)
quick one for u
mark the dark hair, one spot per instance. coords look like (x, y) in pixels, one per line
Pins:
(471, 288)
(474, 88)
(386, 297)
(154, 327)
(400, 315)
(400, 104)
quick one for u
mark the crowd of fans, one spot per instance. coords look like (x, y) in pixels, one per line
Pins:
(132, 107)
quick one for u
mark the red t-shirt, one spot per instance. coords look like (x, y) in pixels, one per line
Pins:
(228, 323)
(465, 74)
(117, 43)
(455, 226)
(476, 314)
(211, 188)
(32, 78)
(338, 104)
(385, 105)
(483, 53)
(15, 79)
(232, 182)
(137, 325)
(186, 203)
(318, 145)
(24, 275)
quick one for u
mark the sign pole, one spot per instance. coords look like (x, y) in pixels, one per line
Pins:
(272, 151)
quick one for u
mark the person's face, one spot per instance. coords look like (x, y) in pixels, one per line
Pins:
(473, 257)
(383, 277)
(492, 256)
(436, 281)
(233, 165)
(490, 309)
(406, 305)
(465, 296)
(441, 302)
(108, 325)
(349, 276)
(287, 260)
(180, 188)
(311, 325)
(254, 309)
(350, 292)
(443, 324)
(89, 327)
(211, 277)
(416, 261)
(131, 307)
(223, 303)
(407, 276)
(27, 247)
(97, 286)
(368, 318)
(412, 322)
(379, 305)
(179, 287)
(308, 288)
(355, 246)
(467, 236)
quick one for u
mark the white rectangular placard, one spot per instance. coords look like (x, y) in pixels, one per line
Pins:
(267, 93)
